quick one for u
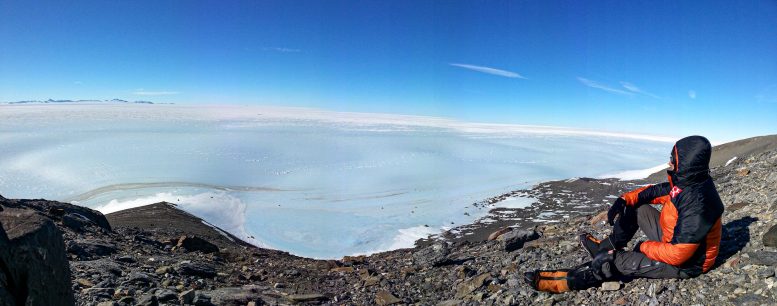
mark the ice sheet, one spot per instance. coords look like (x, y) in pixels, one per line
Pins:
(635, 174)
(314, 183)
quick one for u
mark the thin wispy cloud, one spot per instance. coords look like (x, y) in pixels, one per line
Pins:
(633, 88)
(767, 95)
(597, 85)
(489, 70)
(280, 49)
(142, 92)
(692, 94)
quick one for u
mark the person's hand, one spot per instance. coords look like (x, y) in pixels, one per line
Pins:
(618, 208)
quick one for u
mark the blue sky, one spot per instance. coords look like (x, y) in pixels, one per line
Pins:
(658, 67)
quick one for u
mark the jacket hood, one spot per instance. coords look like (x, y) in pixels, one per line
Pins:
(691, 158)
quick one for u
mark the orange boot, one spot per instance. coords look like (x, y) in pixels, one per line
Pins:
(559, 281)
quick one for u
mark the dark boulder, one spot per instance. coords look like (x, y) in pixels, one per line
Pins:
(76, 221)
(514, 240)
(33, 266)
(57, 210)
(88, 248)
(166, 295)
(434, 255)
(139, 278)
(196, 269)
(193, 243)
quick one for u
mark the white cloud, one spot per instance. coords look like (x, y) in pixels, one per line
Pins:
(630, 86)
(597, 85)
(141, 92)
(489, 70)
(633, 88)
(280, 49)
(692, 94)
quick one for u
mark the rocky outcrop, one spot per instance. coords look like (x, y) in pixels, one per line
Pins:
(33, 266)
(6, 284)
(63, 214)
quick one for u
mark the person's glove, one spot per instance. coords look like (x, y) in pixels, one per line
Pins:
(637, 246)
(618, 208)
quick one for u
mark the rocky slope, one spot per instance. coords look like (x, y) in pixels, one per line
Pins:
(158, 254)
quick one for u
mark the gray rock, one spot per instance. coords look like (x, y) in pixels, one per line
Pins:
(98, 291)
(432, 256)
(187, 296)
(196, 269)
(770, 238)
(234, 296)
(201, 299)
(384, 297)
(165, 295)
(611, 286)
(193, 243)
(88, 248)
(148, 300)
(106, 283)
(764, 272)
(140, 278)
(33, 260)
(308, 297)
(749, 299)
(764, 258)
(102, 266)
(514, 240)
(75, 221)
(125, 258)
(472, 284)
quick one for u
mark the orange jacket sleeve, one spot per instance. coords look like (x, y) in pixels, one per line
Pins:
(654, 194)
(632, 197)
(661, 200)
(673, 254)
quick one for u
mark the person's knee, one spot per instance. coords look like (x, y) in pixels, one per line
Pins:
(645, 214)
(644, 210)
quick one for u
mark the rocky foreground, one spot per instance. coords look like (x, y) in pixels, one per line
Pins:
(160, 255)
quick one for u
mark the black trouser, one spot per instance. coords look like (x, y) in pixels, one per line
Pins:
(625, 264)
(636, 264)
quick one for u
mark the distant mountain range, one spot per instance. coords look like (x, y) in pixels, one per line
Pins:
(82, 101)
